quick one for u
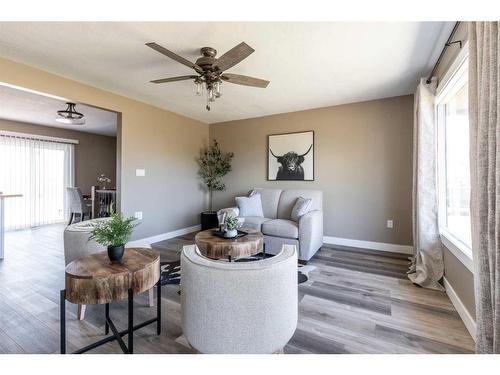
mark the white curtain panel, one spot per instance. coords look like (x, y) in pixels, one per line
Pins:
(427, 264)
(484, 105)
(40, 170)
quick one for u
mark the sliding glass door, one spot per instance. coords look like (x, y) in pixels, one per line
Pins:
(40, 170)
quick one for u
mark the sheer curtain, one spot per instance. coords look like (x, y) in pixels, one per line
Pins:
(40, 170)
(427, 265)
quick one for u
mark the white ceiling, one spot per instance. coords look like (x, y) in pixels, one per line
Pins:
(26, 106)
(309, 64)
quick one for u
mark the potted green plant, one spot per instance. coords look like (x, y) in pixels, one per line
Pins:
(213, 166)
(231, 226)
(114, 233)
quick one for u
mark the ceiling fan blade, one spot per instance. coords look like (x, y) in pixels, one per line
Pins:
(174, 56)
(173, 79)
(234, 56)
(245, 80)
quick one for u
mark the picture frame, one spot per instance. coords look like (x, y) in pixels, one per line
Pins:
(290, 156)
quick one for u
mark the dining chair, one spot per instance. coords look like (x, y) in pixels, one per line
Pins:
(77, 204)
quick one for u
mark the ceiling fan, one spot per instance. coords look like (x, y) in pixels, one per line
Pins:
(211, 70)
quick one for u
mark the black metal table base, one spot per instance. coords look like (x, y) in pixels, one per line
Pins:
(230, 259)
(117, 335)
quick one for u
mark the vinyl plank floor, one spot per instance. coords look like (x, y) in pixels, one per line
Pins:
(355, 301)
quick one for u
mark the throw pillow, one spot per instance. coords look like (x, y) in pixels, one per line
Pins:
(300, 208)
(250, 206)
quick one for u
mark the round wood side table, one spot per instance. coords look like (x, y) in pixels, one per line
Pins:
(216, 247)
(94, 279)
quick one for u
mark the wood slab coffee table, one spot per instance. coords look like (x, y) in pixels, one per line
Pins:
(216, 247)
(94, 279)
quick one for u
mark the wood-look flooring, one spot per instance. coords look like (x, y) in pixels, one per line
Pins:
(356, 301)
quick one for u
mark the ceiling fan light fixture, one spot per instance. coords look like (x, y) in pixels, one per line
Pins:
(211, 95)
(218, 89)
(198, 87)
(211, 70)
(70, 116)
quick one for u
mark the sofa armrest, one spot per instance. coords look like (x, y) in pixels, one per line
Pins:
(310, 234)
(234, 211)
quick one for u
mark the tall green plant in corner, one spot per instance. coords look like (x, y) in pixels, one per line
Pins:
(214, 165)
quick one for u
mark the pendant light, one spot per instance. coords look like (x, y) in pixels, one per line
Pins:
(70, 116)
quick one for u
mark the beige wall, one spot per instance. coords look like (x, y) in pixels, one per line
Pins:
(162, 142)
(363, 164)
(459, 276)
(94, 154)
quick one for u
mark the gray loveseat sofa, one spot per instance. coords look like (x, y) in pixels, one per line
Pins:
(277, 226)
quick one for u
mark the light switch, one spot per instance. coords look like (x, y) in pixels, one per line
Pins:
(390, 224)
(140, 172)
(138, 215)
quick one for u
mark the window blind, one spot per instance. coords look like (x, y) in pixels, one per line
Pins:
(40, 170)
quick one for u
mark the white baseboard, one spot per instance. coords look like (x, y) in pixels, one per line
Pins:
(326, 239)
(403, 249)
(174, 233)
(467, 318)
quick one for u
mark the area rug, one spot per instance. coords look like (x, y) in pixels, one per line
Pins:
(171, 271)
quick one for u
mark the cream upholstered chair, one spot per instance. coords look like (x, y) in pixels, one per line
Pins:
(77, 243)
(247, 307)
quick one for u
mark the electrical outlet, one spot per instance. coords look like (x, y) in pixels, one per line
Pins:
(390, 224)
(140, 172)
(138, 215)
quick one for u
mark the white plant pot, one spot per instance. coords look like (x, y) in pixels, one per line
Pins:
(231, 233)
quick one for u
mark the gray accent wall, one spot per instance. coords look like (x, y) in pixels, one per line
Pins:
(461, 280)
(363, 164)
(94, 154)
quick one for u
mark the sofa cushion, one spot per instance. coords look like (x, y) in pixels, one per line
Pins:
(250, 206)
(289, 197)
(281, 228)
(270, 199)
(254, 222)
(300, 208)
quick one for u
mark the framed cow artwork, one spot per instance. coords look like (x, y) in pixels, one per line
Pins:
(290, 156)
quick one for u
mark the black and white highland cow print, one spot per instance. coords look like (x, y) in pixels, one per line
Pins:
(291, 156)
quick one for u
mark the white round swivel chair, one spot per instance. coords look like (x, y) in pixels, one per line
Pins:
(239, 307)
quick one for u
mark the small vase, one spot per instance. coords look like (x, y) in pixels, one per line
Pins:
(230, 233)
(115, 253)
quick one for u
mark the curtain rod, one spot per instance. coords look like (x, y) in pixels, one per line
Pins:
(448, 43)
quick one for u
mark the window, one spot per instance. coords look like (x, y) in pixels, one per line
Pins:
(453, 158)
(40, 170)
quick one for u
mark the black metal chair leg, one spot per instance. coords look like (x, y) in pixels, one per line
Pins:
(106, 314)
(130, 321)
(62, 306)
(158, 306)
(71, 218)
